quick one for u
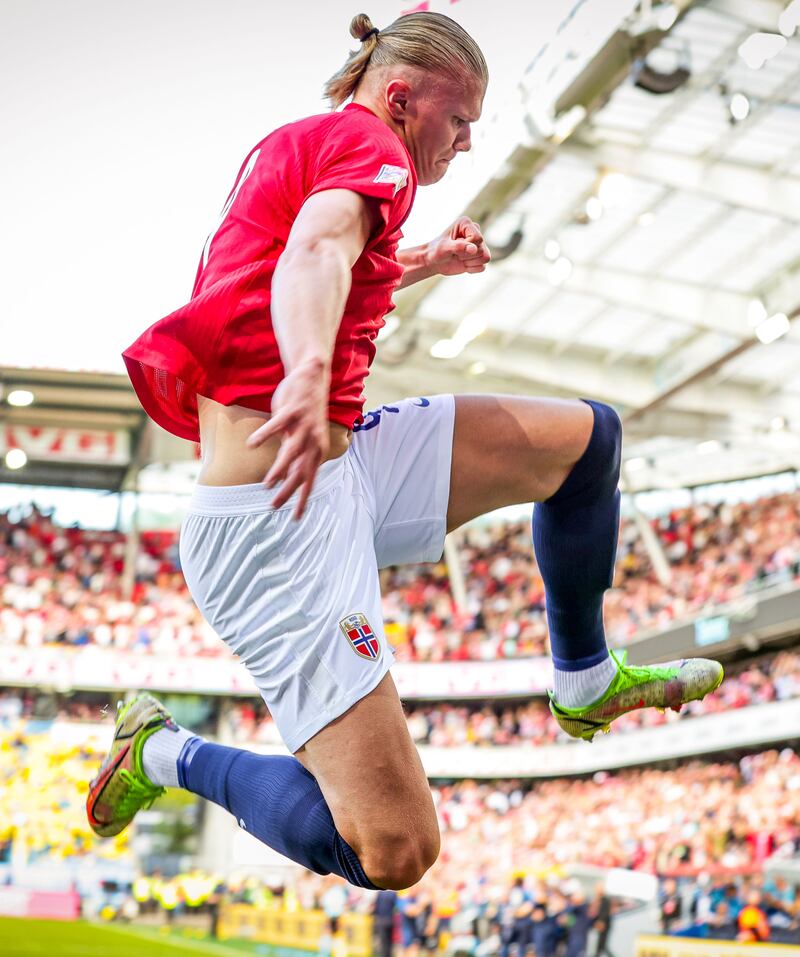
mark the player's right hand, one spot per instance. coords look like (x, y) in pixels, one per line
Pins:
(299, 417)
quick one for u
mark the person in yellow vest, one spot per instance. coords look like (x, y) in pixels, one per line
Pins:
(168, 897)
(752, 921)
(142, 892)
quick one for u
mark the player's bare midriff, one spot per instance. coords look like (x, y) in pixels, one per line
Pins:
(226, 459)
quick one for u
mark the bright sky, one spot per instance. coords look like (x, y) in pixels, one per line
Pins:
(124, 124)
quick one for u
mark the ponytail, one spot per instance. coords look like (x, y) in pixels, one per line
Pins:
(431, 41)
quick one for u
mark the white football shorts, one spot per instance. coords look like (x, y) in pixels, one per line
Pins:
(299, 602)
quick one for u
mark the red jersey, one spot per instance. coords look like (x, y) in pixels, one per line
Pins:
(222, 344)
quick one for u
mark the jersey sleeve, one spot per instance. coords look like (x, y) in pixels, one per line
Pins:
(358, 157)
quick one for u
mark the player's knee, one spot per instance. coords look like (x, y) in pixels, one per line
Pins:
(607, 437)
(596, 473)
(397, 861)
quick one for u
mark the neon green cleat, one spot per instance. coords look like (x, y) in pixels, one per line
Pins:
(668, 685)
(121, 788)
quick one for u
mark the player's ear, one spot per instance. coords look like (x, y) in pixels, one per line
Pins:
(398, 97)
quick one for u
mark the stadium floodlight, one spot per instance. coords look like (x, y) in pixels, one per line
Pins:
(614, 189)
(789, 20)
(594, 207)
(739, 107)
(446, 349)
(552, 250)
(772, 328)
(20, 397)
(560, 271)
(16, 459)
(653, 16)
(477, 368)
(760, 47)
(663, 70)
(666, 14)
(756, 312)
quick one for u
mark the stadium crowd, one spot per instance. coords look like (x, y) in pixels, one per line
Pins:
(527, 917)
(63, 586)
(775, 677)
(43, 783)
(688, 819)
(507, 845)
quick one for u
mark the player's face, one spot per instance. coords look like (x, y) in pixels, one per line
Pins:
(440, 125)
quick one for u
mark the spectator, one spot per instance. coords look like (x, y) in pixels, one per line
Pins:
(671, 906)
(752, 921)
(62, 586)
(579, 923)
(383, 912)
(601, 920)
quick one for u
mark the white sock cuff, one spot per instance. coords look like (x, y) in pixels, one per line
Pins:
(577, 689)
(160, 755)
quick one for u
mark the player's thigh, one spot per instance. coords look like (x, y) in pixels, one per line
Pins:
(372, 778)
(509, 450)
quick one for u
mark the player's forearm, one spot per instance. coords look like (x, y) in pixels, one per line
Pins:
(309, 291)
(416, 265)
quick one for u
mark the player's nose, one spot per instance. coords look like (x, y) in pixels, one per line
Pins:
(463, 142)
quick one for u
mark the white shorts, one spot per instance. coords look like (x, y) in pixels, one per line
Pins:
(299, 602)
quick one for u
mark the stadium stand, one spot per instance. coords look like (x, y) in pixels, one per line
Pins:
(64, 585)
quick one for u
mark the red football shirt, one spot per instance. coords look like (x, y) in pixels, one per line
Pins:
(221, 344)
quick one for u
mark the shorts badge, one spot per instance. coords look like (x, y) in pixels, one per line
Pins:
(357, 631)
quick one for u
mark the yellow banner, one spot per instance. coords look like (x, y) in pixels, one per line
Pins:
(647, 946)
(299, 931)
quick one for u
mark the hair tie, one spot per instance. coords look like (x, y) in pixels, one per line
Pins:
(373, 32)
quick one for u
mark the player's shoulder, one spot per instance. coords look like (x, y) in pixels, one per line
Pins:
(297, 131)
(358, 122)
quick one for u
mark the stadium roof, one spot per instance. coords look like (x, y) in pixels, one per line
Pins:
(655, 235)
(646, 243)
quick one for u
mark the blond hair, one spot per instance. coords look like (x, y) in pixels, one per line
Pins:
(431, 41)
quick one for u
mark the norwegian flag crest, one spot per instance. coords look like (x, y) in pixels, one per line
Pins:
(363, 640)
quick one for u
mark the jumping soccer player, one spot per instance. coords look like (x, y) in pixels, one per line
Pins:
(265, 368)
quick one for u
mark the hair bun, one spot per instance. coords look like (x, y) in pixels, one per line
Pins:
(361, 27)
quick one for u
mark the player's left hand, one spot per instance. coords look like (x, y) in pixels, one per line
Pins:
(459, 249)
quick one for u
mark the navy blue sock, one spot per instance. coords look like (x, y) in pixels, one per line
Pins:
(276, 800)
(575, 541)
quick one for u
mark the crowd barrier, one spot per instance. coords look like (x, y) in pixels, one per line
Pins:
(757, 726)
(103, 668)
(650, 946)
(43, 905)
(299, 931)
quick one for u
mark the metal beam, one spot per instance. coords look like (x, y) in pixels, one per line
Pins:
(693, 305)
(737, 185)
(760, 14)
(70, 418)
(529, 370)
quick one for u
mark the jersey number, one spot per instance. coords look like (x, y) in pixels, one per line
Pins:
(230, 201)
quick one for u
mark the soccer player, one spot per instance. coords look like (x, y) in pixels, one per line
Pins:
(265, 368)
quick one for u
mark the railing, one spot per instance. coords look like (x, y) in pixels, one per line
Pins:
(302, 930)
(650, 946)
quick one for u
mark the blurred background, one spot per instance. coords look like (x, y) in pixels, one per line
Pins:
(637, 171)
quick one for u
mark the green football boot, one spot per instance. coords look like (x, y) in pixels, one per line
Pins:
(121, 787)
(668, 685)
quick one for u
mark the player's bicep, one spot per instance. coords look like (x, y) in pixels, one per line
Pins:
(338, 216)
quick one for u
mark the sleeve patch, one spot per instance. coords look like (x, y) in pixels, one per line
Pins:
(392, 174)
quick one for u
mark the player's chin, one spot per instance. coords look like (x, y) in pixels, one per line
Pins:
(434, 174)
